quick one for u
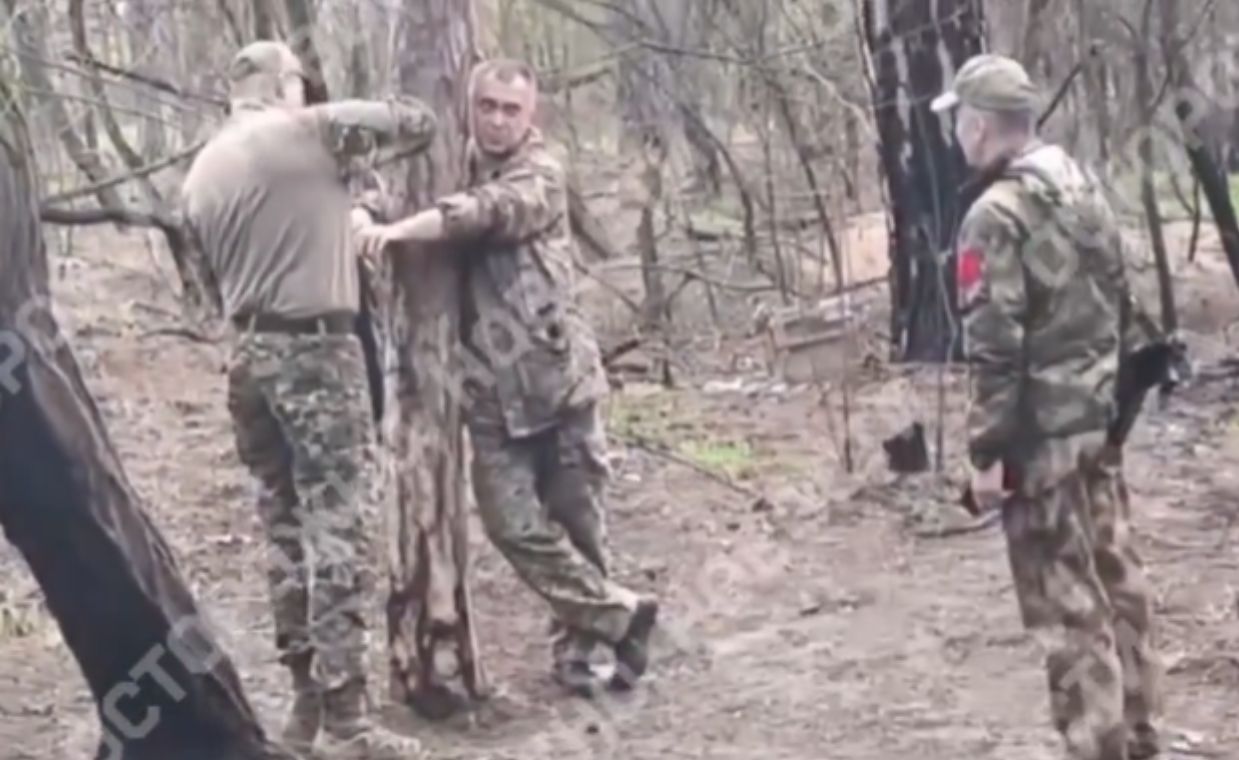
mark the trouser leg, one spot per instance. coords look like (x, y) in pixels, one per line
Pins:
(1122, 574)
(321, 400)
(264, 450)
(573, 482)
(1063, 603)
(505, 480)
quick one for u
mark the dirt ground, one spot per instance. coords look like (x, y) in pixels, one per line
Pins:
(820, 621)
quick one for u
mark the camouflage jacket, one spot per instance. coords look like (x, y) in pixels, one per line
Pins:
(1048, 313)
(538, 354)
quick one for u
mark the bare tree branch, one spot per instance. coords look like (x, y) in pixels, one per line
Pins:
(112, 215)
(145, 79)
(77, 24)
(149, 169)
(30, 38)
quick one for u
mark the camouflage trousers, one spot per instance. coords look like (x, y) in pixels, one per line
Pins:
(304, 429)
(540, 500)
(1083, 592)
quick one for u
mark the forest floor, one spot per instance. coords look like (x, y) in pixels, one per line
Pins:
(821, 620)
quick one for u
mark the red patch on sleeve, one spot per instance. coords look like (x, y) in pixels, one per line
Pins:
(969, 272)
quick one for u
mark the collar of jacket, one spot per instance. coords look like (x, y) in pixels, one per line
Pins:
(481, 164)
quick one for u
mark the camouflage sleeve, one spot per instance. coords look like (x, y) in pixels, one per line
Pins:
(993, 301)
(522, 203)
(367, 191)
(356, 127)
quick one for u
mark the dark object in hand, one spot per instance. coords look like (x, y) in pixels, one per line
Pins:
(1010, 484)
(1163, 365)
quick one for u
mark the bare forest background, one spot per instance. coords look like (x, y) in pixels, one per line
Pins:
(724, 152)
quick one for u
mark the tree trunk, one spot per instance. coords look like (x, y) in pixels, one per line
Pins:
(1192, 107)
(429, 608)
(30, 34)
(648, 112)
(1031, 49)
(1148, 189)
(1094, 79)
(909, 44)
(655, 308)
(302, 23)
(162, 686)
(266, 24)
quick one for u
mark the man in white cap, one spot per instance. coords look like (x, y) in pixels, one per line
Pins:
(266, 204)
(1048, 317)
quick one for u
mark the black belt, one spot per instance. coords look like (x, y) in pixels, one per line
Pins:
(328, 324)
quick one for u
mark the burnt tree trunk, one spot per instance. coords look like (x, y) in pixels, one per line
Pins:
(162, 686)
(910, 44)
(429, 609)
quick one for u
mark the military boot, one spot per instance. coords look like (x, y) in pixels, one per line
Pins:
(570, 653)
(350, 733)
(305, 718)
(1143, 742)
(632, 655)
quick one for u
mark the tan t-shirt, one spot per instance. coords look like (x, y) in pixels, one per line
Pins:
(272, 216)
(266, 202)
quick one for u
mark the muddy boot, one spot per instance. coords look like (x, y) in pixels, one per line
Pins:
(1143, 742)
(350, 734)
(632, 655)
(305, 718)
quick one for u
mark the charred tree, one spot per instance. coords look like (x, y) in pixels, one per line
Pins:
(161, 684)
(429, 609)
(915, 48)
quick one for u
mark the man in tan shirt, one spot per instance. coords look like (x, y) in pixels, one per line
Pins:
(266, 204)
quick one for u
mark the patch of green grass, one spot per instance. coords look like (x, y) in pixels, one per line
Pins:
(736, 459)
(650, 418)
(669, 421)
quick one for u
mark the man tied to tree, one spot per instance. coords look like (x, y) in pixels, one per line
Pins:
(1047, 318)
(533, 393)
(266, 204)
